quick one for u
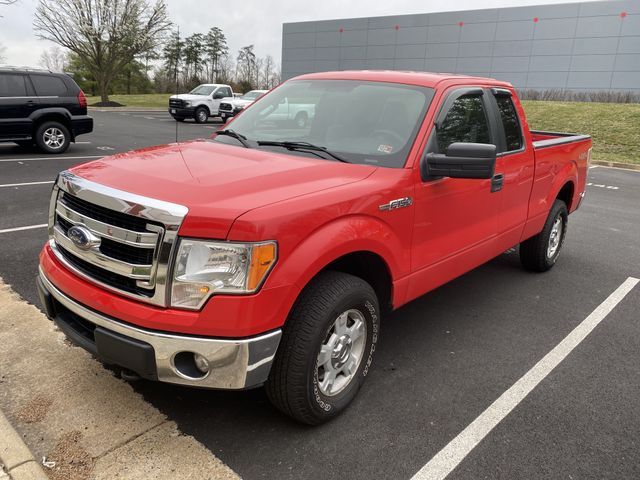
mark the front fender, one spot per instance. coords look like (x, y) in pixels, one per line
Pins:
(354, 233)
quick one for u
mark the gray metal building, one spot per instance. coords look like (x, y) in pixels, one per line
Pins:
(589, 46)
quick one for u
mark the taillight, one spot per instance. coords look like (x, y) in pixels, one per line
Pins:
(82, 99)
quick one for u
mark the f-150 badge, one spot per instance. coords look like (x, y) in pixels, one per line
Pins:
(399, 203)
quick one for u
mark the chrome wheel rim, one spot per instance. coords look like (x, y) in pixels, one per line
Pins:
(555, 237)
(341, 352)
(53, 138)
(302, 122)
(202, 115)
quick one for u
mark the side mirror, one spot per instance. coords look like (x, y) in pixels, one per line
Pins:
(218, 95)
(462, 160)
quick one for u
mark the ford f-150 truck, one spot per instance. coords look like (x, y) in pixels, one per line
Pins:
(268, 255)
(200, 103)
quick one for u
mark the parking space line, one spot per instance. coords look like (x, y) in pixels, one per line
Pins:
(19, 229)
(52, 158)
(455, 452)
(6, 185)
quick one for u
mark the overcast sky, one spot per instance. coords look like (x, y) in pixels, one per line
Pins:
(257, 22)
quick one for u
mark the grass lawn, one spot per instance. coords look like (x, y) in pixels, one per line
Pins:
(615, 127)
(159, 100)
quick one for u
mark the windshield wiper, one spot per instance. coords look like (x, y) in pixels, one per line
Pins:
(233, 134)
(303, 146)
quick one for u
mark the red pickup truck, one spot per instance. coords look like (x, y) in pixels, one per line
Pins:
(268, 254)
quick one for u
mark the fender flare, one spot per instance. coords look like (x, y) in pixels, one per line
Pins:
(58, 111)
(351, 234)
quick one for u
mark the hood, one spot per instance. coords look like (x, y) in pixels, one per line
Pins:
(217, 182)
(188, 96)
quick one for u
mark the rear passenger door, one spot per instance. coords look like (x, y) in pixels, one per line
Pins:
(517, 162)
(17, 102)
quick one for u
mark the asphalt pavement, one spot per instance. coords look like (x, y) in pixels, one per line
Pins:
(442, 360)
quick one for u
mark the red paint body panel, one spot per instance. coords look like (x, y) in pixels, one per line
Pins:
(319, 210)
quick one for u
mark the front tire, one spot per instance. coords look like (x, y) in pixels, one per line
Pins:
(541, 252)
(201, 115)
(52, 137)
(326, 349)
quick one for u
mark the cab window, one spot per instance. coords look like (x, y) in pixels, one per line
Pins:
(465, 122)
(510, 123)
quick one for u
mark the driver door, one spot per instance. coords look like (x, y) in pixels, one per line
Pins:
(456, 219)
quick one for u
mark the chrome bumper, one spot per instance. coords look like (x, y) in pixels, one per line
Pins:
(234, 364)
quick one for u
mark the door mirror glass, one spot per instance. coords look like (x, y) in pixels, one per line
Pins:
(461, 160)
(218, 95)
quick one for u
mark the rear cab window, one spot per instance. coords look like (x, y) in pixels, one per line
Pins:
(49, 86)
(13, 85)
(510, 122)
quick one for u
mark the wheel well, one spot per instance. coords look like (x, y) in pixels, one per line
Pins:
(566, 194)
(51, 117)
(372, 269)
(205, 107)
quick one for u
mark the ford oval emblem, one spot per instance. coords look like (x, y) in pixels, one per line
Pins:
(82, 237)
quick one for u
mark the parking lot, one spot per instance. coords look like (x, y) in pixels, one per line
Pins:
(442, 360)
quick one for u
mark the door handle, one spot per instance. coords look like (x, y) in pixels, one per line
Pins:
(496, 182)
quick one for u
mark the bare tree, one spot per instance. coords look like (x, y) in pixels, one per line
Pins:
(105, 34)
(7, 2)
(54, 59)
(269, 77)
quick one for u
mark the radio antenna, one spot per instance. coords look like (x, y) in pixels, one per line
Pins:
(176, 74)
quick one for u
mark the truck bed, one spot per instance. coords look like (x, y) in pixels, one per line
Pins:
(549, 139)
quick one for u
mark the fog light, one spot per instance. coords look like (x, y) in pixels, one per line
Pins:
(202, 363)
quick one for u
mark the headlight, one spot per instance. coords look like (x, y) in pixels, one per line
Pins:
(203, 268)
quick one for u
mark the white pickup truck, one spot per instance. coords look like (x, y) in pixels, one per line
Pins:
(200, 103)
(231, 106)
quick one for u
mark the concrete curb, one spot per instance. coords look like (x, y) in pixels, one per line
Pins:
(16, 457)
(625, 166)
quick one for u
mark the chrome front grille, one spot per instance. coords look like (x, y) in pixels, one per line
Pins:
(133, 236)
(227, 107)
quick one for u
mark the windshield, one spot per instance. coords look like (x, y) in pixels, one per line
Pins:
(203, 90)
(364, 122)
(252, 95)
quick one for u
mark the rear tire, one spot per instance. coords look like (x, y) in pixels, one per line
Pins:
(326, 349)
(201, 115)
(179, 119)
(52, 137)
(541, 252)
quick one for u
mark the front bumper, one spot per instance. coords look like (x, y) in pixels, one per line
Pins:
(234, 364)
(182, 112)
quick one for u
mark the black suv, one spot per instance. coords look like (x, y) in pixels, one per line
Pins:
(41, 107)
